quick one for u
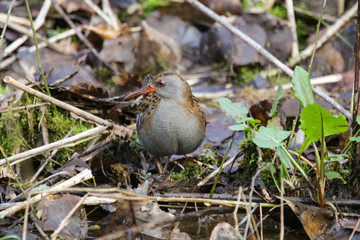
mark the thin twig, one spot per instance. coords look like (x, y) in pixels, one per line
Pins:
(282, 229)
(317, 81)
(6, 23)
(57, 102)
(79, 178)
(292, 23)
(330, 31)
(316, 36)
(66, 220)
(58, 144)
(100, 13)
(81, 36)
(39, 21)
(271, 58)
(212, 174)
(23, 107)
(37, 48)
(10, 60)
(34, 177)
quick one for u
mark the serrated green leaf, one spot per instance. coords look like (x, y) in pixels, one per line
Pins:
(236, 110)
(270, 137)
(332, 175)
(314, 118)
(278, 96)
(239, 127)
(302, 86)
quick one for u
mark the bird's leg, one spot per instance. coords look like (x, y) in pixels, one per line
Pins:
(158, 164)
(166, 164)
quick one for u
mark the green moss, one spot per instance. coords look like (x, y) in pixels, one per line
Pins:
(103, 74)
(150, 5)
(192, 169)
(20, 130)
(245, 74)
(249, 163)
(302, 31)
(279, 11)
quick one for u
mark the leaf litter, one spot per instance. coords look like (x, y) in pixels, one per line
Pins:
(151, 42)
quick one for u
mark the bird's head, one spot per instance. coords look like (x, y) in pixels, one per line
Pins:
(167, 85)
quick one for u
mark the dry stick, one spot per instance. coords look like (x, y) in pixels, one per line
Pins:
(317, 81)
(108, 10)
(23, 107)
(330, 31)
(211, 175)
(37, 47)
(27, 33)
(6, 23)
(315, 15)
(39, 21)
(81, 36)
(282, 229)
(10, 60)
(58, 144)
(80, 177)
(263, 52)
(292, 23)
(56, 102)
(100, 13)
(34, 177)
(15, 19)
(66, 220)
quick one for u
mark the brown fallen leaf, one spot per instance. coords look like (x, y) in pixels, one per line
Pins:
(320, 223)
(106, 32)
(54, 211)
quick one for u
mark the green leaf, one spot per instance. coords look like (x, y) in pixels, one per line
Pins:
(284, 158)
(302, 86)
(287, 159)
(239, 127)
(356, 139)
(244, 119)
(332, 175)
(236, 110)
(314, 118)
(279, 93)
(270, 137)
(272, 169)
(358, 119)
(253, 121)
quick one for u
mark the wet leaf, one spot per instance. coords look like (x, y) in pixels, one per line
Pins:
(302, 86)
(332, 175)
(314, 118)
(270, 137)
(236, 110)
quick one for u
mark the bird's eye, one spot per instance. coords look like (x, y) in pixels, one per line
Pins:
(161, 83)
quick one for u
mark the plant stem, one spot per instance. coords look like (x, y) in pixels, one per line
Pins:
(317, 36)
(37, 48)
(221, 165)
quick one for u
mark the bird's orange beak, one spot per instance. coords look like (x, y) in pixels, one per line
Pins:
(143, 90)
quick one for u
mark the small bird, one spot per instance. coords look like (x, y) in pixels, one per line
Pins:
(170, 119)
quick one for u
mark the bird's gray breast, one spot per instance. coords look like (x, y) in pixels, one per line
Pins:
(173, 130)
